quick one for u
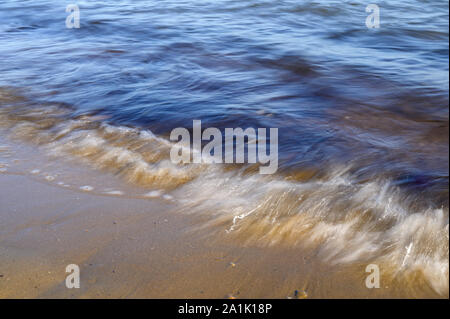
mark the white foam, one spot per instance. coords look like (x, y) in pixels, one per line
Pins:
(153, 194)
(114, 192)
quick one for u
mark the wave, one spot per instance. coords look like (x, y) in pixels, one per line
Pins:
(342, 219)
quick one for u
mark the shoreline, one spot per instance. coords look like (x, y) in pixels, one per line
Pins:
(148, 248)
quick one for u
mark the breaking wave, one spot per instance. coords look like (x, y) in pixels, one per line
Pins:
(343, 219)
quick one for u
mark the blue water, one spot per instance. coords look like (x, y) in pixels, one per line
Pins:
(338, 91)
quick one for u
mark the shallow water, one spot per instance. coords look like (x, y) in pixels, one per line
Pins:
(362, 114)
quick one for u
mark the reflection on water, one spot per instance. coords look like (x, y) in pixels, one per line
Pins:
(362, 114)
